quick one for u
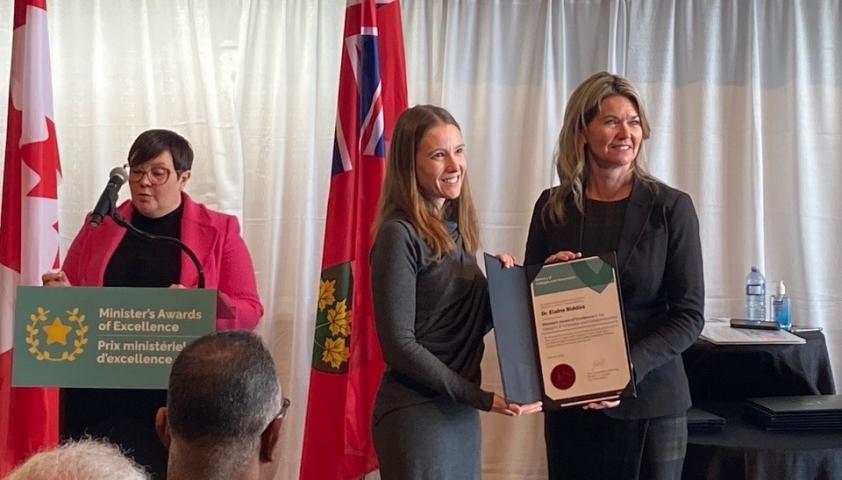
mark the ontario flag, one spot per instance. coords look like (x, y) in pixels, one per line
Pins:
(29, 243)
(347, 363)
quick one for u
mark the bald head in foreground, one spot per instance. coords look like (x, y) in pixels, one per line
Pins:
(224, 410)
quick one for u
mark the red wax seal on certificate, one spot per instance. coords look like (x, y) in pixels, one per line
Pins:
(563, 376)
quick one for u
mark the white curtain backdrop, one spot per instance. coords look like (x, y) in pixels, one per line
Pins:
(744, 99)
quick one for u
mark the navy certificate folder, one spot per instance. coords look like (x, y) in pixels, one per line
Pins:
(513, 321)
(805, 412)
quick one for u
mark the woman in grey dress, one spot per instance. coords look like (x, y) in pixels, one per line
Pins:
(431, 307)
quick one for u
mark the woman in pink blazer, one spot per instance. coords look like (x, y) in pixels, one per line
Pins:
(160, 162)
(213, 236)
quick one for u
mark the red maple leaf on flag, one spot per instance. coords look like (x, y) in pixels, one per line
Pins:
(28, 225)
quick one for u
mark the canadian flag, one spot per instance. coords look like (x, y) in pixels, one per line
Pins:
(29, 242)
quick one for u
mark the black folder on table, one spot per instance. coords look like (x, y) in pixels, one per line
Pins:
(702, 421)
(803, 412)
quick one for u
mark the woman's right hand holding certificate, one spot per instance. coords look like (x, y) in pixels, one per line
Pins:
(563, 256)
(602, 405)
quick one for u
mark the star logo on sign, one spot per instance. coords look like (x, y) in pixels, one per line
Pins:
(57, 332)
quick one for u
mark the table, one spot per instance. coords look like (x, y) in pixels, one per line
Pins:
(735, 372)
(721, 376)
(744, 451)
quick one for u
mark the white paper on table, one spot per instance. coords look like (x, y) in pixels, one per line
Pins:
(721, 333)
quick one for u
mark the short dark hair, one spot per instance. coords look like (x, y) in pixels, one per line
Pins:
(223, 387)
(152, 143)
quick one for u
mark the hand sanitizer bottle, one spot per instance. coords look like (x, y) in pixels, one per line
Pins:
(781, 307)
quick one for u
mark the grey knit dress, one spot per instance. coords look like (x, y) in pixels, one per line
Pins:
(431, 319)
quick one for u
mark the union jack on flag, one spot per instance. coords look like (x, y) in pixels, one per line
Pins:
(364, 122)
(347, 363)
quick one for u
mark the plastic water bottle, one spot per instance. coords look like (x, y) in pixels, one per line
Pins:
(755, 295)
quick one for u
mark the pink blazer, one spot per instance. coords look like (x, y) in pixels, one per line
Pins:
(213, 236)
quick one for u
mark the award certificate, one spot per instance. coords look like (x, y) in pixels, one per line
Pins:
(580, 332)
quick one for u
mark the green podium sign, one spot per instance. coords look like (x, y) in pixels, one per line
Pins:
(105, 337)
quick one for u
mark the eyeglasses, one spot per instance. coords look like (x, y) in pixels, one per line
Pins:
(284, 407)
(157, 175)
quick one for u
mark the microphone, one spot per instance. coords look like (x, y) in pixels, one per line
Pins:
(105, 204)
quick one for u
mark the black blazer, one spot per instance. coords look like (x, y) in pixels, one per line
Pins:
(659, 259)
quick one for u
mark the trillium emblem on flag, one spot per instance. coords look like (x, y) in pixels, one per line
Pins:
(50, 341)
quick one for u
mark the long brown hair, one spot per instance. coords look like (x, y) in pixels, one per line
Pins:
(570, 157)
(402, 197)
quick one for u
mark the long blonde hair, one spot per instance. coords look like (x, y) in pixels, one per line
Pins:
(402, 196)
(570, 157)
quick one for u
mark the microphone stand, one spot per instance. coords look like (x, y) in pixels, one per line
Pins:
(112, 212)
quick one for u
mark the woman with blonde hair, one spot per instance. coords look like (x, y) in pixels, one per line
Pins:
(607, 201)
(431, 306)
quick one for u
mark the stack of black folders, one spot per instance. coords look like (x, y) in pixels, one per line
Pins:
(809, 412)
(701, 421)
